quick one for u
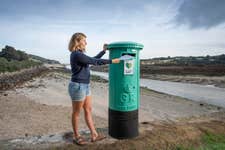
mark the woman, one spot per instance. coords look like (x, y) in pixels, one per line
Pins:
(79, 87)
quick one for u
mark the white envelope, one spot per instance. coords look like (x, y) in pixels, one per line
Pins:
(126, 57)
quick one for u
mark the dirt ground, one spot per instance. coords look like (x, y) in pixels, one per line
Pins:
(163, 135)
(42, 107)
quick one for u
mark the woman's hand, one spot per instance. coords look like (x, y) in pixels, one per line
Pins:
(105, 47)
(116, 61)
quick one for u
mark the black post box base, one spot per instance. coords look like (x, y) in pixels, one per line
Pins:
(123, 125)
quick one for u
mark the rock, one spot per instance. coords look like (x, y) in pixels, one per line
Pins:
(145, 122)
(11, 80)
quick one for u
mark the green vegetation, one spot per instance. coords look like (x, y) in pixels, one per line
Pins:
(10, 53)
(14, 60)
(14, 65)
(210, 141)
(213, 142)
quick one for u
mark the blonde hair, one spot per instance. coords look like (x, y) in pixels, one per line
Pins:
(74, 44)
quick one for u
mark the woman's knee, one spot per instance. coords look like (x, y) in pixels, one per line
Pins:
(77, 106)
(87, 109)
(75, 114)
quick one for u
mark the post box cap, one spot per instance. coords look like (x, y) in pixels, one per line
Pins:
(125, 44)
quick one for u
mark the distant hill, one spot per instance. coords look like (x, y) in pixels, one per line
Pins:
(10, 53)
(184, 61)
(13, 60)
(43, 60)
(180, 65)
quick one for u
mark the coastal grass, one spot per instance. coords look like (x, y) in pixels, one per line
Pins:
(14, 65)
(209, 141)
(167, 136)
(213, 141)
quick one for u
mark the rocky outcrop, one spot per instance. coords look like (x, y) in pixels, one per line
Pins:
(11, 80)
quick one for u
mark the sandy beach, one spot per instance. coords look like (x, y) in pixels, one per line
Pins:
(42, 106)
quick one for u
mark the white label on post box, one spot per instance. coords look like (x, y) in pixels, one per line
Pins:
(129, 66)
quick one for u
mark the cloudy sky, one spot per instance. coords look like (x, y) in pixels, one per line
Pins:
(165, 27)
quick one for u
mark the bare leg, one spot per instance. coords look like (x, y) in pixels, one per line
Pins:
(77, 105)
(88, 116)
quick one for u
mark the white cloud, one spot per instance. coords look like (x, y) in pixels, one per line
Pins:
(145, 22)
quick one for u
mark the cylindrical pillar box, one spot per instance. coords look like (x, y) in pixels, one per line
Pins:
(124, 90)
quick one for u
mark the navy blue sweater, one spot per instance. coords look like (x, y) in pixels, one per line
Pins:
(80, 65)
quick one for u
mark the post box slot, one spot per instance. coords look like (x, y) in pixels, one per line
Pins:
(131, 54)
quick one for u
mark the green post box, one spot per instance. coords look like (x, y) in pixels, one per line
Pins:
(124, 90)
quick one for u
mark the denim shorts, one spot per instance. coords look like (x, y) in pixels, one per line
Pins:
(78, 91)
